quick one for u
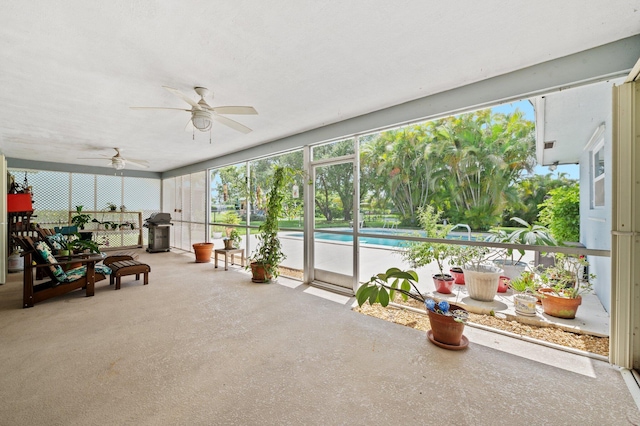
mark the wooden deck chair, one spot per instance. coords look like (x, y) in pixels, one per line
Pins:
(51, 237)
(61, 282)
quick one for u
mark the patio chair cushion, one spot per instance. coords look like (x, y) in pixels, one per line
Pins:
(76, 273)
(56, 241)
(45, 252)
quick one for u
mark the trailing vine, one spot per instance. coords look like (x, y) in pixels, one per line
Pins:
(269, 253)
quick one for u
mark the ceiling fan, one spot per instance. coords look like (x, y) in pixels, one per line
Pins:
(202, 115)
(118, 162)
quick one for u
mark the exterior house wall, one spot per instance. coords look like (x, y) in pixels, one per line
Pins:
(595, 222)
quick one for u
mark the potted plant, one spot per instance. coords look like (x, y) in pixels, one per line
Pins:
(524, 287)
(530, 234)
(447, 320)
(230, 217)
(216, 232)
(564, 285)
(111, 207)
(80, 245)
(481, 278)
(268, 255)
(456, 271)
(73, 243)
(233, 240)
(80, 219)
(423, 253)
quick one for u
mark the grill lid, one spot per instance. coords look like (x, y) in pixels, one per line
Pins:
(159, 218)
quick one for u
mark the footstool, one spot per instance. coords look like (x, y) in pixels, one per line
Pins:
(116, 257)
(128, 267)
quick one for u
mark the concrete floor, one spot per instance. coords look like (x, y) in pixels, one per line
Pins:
(199, 345)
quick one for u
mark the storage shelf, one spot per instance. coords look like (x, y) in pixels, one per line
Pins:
(118, 217)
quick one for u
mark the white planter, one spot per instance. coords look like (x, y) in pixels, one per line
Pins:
(482, 282)
(217, 235)
(525, 304)
(510, 270)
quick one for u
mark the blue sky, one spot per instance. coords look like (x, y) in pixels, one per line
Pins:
(572, 170)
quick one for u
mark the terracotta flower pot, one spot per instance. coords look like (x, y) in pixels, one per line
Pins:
(557, 306)
(443, 284)
(458, 275)
(503, 284)
(259, 273)
(445, 329)
(203, 252)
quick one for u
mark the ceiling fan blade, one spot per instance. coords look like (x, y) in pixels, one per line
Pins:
(95, 158)
(178, 109)
(234, 110)
(183, 97)
(231, 123)
(139, 163)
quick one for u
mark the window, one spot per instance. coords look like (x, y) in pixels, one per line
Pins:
(597, 175)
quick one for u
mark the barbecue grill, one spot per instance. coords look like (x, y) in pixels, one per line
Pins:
(159, 237)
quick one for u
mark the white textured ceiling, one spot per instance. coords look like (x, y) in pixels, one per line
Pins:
(69, 70)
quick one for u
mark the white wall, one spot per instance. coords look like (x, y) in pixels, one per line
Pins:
(595, 222)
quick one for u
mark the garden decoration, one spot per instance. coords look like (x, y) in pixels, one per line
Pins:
(447, 320)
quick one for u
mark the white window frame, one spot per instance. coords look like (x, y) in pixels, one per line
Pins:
(595, 179)
(595, 146)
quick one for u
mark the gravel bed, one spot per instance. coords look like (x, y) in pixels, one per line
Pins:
(584, 342)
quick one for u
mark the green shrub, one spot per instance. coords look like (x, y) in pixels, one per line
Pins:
(561, 213)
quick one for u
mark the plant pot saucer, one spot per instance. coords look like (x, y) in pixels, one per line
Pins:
(464, 342)
(527, 315)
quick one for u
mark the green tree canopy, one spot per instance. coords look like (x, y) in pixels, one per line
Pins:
(560, 212)
(464, 165)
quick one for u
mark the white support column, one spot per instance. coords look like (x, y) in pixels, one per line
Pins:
(356, 214)
(625, 242)
(309, 208)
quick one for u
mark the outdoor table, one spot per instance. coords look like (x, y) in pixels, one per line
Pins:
(226, 253)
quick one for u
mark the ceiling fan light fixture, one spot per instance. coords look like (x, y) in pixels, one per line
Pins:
(201, 120)
(117, 164)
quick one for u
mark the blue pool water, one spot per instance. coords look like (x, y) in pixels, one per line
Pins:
(373, 240)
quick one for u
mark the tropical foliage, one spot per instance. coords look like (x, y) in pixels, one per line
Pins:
(474, 168)
(560, 212)
(532, 191)
(465, 165)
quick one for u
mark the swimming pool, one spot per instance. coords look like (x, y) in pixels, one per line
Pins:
(376, 241)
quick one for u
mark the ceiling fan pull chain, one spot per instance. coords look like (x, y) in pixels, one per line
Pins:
(209, 136)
